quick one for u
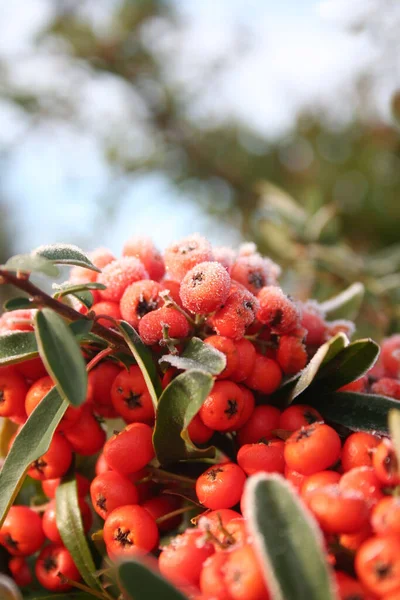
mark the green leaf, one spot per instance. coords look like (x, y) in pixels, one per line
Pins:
(349, 364)
(18, 304)
(144, 359)
(70, 526)
(394, 428)
(360, 412)
(65, 254)
(31, 443)
(324, 354)
(16, 347)
(179, 403)
(62, 356)
(197, 355)
(287, 540)
(81, 291)
(31, 263)
(345, 305)
(81, 328)
(140, 582)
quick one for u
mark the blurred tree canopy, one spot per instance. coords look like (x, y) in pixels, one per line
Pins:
(324, 200)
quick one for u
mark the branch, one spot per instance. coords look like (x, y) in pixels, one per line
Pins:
(42, 299)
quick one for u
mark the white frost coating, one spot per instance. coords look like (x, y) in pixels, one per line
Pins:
(57, 248)
(250, 514)
(355, 290)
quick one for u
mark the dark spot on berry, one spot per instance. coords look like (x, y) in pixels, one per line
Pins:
(383, 570)
(256, 279)
(49, 564)
(123, 537)
(101, 502)
(39, 465)
(197, 279)
(390, 463)
(10, 542)
(237, 575)
(212, 474)
(2, 396)
(187, 248)
(310, 417)
(355, 597)
(145, 306)
(133, 400)
(232, 409)
(120, 390)
(249, 305)
(305, 432)
(277, 318)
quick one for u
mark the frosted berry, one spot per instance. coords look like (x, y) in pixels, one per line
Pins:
(254, 272)
(144, 249)
(225, 256)
(139, 299)
(291, 354)
(387, 387)
(182, 256)
(277, 311)
(390, 354)
(101, 257)
(238, 312)
(153, 325)
(118, 274)
(313, 320)
(205, 288)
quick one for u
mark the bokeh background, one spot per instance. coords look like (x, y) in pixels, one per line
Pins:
(276, 122)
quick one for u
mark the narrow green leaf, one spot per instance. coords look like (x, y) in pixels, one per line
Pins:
(81, 291)
(18, 304)
(65, 254)
(31, 263)
(197, 355)
(70, 526)
(81, 328)
(360, 412)
(31, 443)
(323, 355)
(140, 582)
(394, 429)
(179, 403)
(16, 347)
(144, 359)
(287, 540)
(345, 305)
(349, 364)
(61, 355)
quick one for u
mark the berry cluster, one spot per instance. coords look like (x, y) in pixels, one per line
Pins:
(233, 302)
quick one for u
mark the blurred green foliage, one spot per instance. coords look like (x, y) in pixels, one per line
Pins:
(324, 200)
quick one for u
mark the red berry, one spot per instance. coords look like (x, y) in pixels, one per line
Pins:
(13, 390)
(50, 486)
(223, 408)
(153, 325)
(277, 311)
(130, 531)
(20, 571)
(390, 355)
(53, 561)
(254, 272)
(387, 387)
(312, 448)
(86, 436)
(313, 321)
(118, 274)
(227, 347)
(291, 354)
(32, 369)
(237, 313)
(221, 486)
(139, 299)
(161, 506)
(143, 248)
(386, 464)
(359, 449)
(205, 288)
(246, 359)
(198, 432)
(110, 490)
(130, 450)
(110, 309)
(337, 510)
(182, 256)
(131, 398)
(266, 375)
(101, 257)
(181, 561)
(364, 480)
(101, 379)
(266, 457)
(317, 481)
(297, 416)
(39, 390)
(22, 532)
(243, 575)
(377, 564)
(263, 420)
(55, 462)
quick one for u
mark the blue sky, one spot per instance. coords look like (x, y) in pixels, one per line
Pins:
(291, 57)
